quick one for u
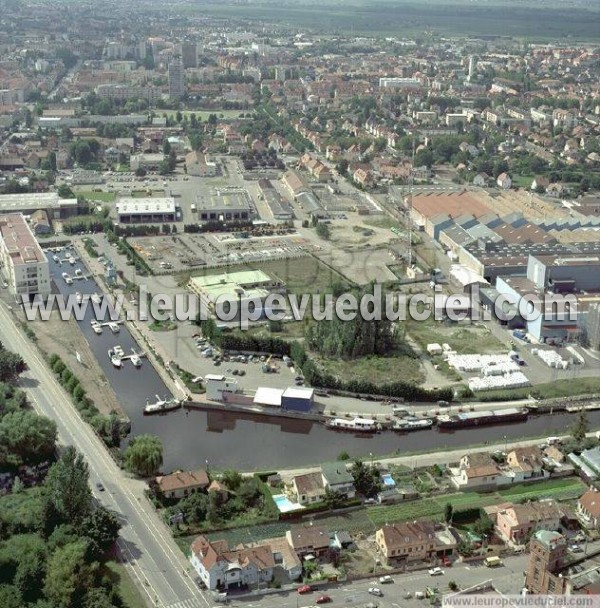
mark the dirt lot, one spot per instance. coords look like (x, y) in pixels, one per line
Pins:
(65, 339)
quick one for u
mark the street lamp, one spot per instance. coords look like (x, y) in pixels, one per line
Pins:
(505, 443)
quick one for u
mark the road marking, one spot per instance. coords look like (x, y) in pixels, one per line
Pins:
(189, 603)
(94, 446)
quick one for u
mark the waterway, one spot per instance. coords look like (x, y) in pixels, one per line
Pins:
(245, 441)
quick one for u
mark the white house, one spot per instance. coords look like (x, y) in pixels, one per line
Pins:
(221, 568)
(504, 181)
(588, 509)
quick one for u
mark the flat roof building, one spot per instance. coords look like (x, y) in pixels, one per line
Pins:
(27, 204)
(22, 262)
(146, 210)
(227, 204)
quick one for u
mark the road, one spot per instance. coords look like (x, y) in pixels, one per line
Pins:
(150, 555)
(507, 579)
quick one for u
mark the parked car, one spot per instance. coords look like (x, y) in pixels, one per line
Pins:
(575, 549)
(100, 487)
(304, 589)
(386, 579)
(437, 571)
(376, 591)
(323, 599)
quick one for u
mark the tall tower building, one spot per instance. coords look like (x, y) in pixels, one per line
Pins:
(472, 66)
(176, 78)
(548, 551)
(189, 55)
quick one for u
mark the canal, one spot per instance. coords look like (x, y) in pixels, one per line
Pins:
(246, 441)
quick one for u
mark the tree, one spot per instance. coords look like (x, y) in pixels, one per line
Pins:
(333, 499)
(29, 437)
(194, 507)
(140, 172)
(144, 455)
(166, 147)
(69, 575)
(232, 479)
(484, 526)
(102, 527)
(448, 513)
(65, 192)
(580, 427)
(67, 487)
(343, 456)
(323, 231)
(11, 365)
(366, 479)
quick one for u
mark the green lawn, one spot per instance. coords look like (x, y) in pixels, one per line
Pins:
(106, 197)
(433, 508)
(547, 390)
(127, 589)
(376, 369)
(464, 339)
(522, 181)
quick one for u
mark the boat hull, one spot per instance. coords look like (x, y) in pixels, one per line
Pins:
(484, 421)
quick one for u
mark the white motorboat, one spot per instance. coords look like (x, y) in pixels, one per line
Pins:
(118, 350)
(68, 280)
(114, 327)
(55, 258)
(72, 260)
(161, 405)
(136, 360)
(358, 424)
(114, 358)
(412, 423)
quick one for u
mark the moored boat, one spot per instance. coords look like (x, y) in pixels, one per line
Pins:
(114, 358)
(358, 424)
(161, 405)
(412, 423)
(136, 360)
(482, 417)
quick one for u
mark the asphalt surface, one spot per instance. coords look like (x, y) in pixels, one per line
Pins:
(506, 579)
(148, 551)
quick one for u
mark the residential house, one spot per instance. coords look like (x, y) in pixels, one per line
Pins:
(516, 522)
(337, 478)
(540, 183)
(364, 177)
(405, 543)
(216, 487)
(588, 509)
(481, 180)
(308, 540)
(504, 181)
(526, 464)
(182, 483)
(309, 488)
(222, 568)
(477, 471)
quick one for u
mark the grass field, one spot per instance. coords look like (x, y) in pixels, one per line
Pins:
(106, 197)
(368, 520)
(433, 508)
(301, 275)
(522, 181)
(127, 589)
(549, 390)
(465, 339)
(376, 369)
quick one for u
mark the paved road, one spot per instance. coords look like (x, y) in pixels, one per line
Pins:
(507, 579)
(150, 554)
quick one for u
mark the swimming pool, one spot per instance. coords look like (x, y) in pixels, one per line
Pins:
(285, 505)
(388, 480)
